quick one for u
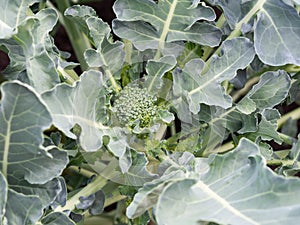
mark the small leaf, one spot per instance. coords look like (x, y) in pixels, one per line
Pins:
(137, 173)
(108, 55)
(94, 203)
(267, 127)
(272, 89)
(166, 116)
(156, 69)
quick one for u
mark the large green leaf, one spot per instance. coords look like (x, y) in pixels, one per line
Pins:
(13, 13)
(32, 52)
(207, 88)
(79, 104)
(24, 162)
(277, 34)
(150, 25)
(236, 188)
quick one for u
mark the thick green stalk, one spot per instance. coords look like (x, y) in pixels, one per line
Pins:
(68, 76)
(99, 182)
(294, 115)
(208, 50)
(77, 38)
(279, 162)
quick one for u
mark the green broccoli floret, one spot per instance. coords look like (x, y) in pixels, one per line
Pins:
(134, 104)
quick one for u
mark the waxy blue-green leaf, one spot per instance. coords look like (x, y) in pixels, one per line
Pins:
(3, 196)
(272, 89)
(136, 173)
(267, 127)
(239, 189)
(151, 25)
(108, 55)
(33, 54)
(79, 14)
(78, 104)
(17, 208)
(234, 10)
(24, 162)
(276, 31)
(57, 218)
(277, 34)
(13, 13)
(171, 169)
(148, 195)
(23, 118)
(237, 54)
(22, 209)
(291, 169)
(156, 69)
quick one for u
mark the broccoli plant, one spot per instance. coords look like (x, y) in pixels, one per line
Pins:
(175, 112)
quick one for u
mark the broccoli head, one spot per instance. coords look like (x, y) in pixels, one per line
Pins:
(134, 104)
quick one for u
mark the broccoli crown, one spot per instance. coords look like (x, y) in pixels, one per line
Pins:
(135, 104)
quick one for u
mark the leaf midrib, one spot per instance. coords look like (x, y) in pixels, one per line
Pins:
(223, 202)
(7, 142)
(229, 67)
(167, 24)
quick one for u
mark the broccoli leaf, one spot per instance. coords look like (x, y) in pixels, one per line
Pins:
(13, 14)
(232, 186)
(108, 55)
(79, 104)
(276, 31)
(57, 218)
(150, 25)
(277, 34)
(32, 52)
(30, 185)
(263, 95)
(197, 88)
